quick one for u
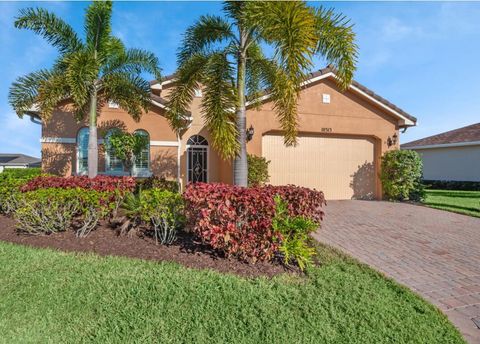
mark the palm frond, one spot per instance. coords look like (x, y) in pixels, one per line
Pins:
(134, 61)
(189, 75)
(254, 81)
(98, 26)
(131, 92)
(81, 74)
(48, 25)
(23, 93)
(283, 91)
(50, 93)
(202, 35)
(218, 103)
(336, 42)
(289, 26)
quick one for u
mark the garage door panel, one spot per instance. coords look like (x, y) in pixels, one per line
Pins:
(342, 167)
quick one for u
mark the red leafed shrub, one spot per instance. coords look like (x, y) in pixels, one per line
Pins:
(99, 183)
(238, 221)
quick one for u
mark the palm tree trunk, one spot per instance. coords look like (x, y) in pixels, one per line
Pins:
(92, 138)
(240, 165)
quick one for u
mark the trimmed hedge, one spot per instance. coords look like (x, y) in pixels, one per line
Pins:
(99, 183)
(401, 175)
(451, 185)
(237, 221)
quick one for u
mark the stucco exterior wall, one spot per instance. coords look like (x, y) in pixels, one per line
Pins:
(347, 114)
(451, 163)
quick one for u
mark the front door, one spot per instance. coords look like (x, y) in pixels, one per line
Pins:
(197, 159)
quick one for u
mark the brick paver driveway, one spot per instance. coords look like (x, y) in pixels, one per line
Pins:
(433, 252)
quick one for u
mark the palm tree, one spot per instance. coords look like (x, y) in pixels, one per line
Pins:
(225, 56)
(87, 72)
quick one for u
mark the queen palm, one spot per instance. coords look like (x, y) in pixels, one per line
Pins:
(225, 56)
(87, 72)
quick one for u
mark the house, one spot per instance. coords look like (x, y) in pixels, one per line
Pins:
(18, 161)
(450, 156)
(341, 139)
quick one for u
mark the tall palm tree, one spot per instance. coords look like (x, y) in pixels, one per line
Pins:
(87, 72)
(225, 56)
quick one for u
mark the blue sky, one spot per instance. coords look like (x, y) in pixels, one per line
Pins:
(422, 56)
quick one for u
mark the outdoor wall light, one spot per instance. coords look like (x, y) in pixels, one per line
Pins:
(391, 141)
(250, 132)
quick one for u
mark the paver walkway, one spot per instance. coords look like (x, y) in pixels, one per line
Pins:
(433, 252)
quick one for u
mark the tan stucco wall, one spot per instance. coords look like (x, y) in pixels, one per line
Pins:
(451, 163)
(347, 114)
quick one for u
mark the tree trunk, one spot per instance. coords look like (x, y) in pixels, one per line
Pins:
(240, 164)
(92, 138)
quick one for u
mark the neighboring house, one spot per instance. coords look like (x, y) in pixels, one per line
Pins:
(341, 139)
(18, 161)
(453, 155)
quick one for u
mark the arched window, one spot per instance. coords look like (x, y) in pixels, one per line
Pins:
(142, 161)
(197, 159)
(112, 163)
(82, 151)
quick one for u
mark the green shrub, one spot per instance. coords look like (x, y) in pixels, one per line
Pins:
(46, 211)
(401, 175)
(294, 234)
(161, 210)
(21, 173)
(11, 179)
(157, 183)
(257, 170)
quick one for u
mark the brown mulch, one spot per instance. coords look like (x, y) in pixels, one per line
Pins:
(105, 241)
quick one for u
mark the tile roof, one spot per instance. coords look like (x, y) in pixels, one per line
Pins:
(470, 133)
(330, 69)
(17, 159)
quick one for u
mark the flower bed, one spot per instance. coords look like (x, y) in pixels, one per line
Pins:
(99, 183)
(238, 221)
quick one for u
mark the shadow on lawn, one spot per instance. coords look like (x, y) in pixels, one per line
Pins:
(453, 206)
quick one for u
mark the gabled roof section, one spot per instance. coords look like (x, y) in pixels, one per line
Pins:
(458, 137)
(17, 159)
(405, 119)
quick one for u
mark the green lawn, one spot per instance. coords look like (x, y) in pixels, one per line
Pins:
(464, 202)
(49, 296)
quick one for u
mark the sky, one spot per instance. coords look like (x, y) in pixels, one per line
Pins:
(422, 56)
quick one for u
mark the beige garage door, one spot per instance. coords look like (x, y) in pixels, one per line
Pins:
(342, 167)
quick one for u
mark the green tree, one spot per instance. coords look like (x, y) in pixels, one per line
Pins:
(88, 72)
(126, 147)
(225, 57)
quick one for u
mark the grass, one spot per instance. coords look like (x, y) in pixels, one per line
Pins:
(50, 296)
(463, 202)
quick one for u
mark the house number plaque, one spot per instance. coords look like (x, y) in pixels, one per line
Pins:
(326, 130)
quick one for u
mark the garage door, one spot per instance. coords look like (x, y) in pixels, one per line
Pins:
(341, 167)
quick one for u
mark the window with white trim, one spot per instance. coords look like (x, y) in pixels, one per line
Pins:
(142, 161)
(112, 163)
(82, 151)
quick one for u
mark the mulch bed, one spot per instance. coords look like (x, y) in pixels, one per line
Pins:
(105, 241)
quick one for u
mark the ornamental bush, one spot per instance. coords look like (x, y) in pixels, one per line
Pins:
(257, 170)
(99, 183)
(157, 183)
(160, 210)
(51, 210)
(238, 221)
(10, 182)
(294, 235)
(401, 175)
